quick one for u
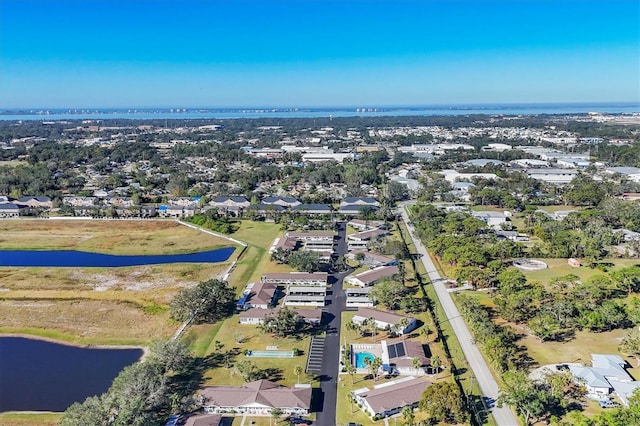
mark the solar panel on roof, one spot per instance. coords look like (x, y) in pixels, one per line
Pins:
(392, 351)
(400, 349)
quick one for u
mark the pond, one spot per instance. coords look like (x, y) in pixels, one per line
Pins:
(37, 375)
(81, 259)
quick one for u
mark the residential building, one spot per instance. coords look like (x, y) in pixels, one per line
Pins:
(365, 225)
(281, 201)
(369, 278)
(318, 157)
(204, 420)
(386, 320)
(491, 218)
(257, 398)
(257, 316)
(312, 209)
(359, 201)
(257, 295)
(361, 240)
(389, 398)
(398, 355)
(453, 176)
(297, 278)
(631, 173)
(553, 175)
(373, 260)
(11, 210)
(35, 202)
(231, 204)
(359, 297)
(305, 296)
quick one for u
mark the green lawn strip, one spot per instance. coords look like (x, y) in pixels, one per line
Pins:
(27, 419)
(201, 337)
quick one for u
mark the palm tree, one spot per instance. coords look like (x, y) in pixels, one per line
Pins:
(352, 326)
(351, 370)
(404, 323)
(375, 366)
(297, 371)
(416, 363)
(436, 363)
(275, 414)
(371, 324)
(408, 416)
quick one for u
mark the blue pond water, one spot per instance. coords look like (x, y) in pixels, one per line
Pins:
(77, 259)
(360, 359)
(42, 376)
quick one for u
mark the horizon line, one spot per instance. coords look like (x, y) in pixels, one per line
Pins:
(351, 106)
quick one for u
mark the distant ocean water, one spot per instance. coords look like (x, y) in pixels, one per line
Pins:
(218, 113)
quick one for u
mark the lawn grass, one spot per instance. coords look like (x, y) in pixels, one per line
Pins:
(255, 261)
(28, 419)
(106, 236)
(559, 268)
(231, 331)
(578, 349)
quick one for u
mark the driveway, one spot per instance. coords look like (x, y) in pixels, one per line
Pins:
(503, 416)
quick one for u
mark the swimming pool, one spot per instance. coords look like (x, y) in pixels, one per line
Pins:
(360, 359)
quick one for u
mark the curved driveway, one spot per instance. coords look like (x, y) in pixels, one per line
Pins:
(503, 416)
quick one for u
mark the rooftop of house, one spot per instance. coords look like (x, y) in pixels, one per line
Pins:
(394, 394)
(260, 392)
(377, 273)
(383, 316)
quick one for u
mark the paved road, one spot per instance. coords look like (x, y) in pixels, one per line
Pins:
(331, 355)
(503, 416)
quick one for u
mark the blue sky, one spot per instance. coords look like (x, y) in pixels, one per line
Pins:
(185, 53)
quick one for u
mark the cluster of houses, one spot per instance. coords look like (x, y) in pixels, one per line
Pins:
(353, 206)
(104, 203)
(10, 208)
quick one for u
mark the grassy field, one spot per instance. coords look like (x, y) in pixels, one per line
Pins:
(98, 305)
(105, 236)
(23, 419)
(85, 321)
(255, 261)
(559, 268)
(238, 337)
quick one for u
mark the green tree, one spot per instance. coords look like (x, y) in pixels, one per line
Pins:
(531, 399)
(630, 345)
(408, 415)
(275, 414)
(351, 370)
(284, 323)
(207, 302)
(298, 371)
(389, 294)
(443, 402)
(307, 261)
(436, 363)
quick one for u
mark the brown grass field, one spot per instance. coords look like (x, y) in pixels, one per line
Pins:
(105, 236)
(99, 305)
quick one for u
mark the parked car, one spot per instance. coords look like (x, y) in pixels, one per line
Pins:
(607, 403)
